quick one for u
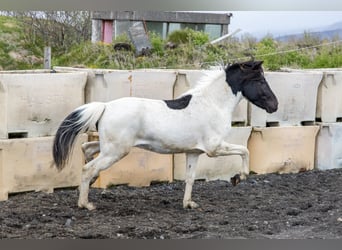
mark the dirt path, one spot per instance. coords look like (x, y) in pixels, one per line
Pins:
(297, 206)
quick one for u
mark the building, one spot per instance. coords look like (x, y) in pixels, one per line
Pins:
(107, 25)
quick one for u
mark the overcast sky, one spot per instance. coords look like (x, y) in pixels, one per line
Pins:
(259, 23)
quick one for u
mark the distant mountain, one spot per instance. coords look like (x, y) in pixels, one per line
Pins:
(334, 26)
(327, 32)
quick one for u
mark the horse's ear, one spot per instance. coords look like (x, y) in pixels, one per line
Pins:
(258, 64)
(231, 66)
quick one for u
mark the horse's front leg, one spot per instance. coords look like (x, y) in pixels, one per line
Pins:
(191, 164)
(233, 149)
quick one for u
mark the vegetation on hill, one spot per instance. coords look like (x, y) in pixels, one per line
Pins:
(15, 51)
(21, 47)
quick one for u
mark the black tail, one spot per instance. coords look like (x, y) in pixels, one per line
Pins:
(75, 123)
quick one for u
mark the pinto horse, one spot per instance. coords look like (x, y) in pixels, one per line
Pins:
(197, 122)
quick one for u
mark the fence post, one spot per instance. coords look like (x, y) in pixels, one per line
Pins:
(47, 57)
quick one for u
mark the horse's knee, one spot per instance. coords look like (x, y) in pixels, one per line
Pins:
(90, 149)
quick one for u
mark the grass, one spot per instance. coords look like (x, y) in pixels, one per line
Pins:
(15, 52)
(192, 51)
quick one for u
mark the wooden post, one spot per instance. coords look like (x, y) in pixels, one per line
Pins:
(47, 57)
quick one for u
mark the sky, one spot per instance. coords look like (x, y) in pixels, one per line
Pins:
(260, 23)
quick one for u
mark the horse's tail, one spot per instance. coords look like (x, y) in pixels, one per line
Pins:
(79, 121)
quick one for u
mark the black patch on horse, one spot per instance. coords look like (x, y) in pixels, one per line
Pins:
(180, 103)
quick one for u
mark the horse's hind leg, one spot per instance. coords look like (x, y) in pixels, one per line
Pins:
(90, 149)
(92, 169)
(191, 163)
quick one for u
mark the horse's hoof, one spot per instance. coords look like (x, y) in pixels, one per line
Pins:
(243, 176)
(190, 205)
(235, 179)
(90, 206)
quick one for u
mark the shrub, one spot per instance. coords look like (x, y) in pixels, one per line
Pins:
(187, 35)
(157, 44)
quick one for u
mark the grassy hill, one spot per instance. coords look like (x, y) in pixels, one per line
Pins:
(326, 35)
(15, 52)
(22, 49)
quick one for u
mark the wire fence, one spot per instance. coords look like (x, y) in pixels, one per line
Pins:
(292, 50)
(274, 60)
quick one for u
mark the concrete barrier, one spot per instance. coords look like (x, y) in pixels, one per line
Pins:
(289, 149)
(34, 103)
(107, 85)
(329, 103)
(329, 146)
(297, 95)
(26, 165)
(218, 168)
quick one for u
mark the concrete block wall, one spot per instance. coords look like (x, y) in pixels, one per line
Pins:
(33, 103)
(329, 117)
(36, 102)
(283, 142)
(284, 149)
(329, 113)
(329, 146)
(329, 103)
(26, 165)
(297, 96)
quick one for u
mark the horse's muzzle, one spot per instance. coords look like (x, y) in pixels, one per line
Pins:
(273, 107)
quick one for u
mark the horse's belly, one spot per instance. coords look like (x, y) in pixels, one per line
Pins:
(169, 148)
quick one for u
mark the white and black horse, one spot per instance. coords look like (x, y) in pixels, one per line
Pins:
(197, 122)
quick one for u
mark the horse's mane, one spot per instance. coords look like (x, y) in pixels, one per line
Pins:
(208, 78)
(252, 70)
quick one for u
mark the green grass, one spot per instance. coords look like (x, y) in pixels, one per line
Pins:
(15, 52)
(192, 51)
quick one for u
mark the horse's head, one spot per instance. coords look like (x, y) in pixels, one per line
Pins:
(248, 77)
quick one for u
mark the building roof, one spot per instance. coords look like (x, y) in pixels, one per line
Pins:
(164, 16)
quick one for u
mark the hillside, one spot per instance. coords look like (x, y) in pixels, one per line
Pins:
(15, 53)
(21, 47)
(329, 32)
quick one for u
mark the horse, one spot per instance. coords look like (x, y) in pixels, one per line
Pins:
(197, 122)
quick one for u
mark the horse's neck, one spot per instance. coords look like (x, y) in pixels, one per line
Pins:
(219, 93)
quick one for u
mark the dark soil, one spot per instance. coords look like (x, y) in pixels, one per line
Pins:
(296, 206)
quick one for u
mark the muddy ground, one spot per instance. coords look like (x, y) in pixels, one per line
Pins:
(296, 206)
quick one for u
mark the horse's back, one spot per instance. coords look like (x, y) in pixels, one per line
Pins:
(149, 124)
